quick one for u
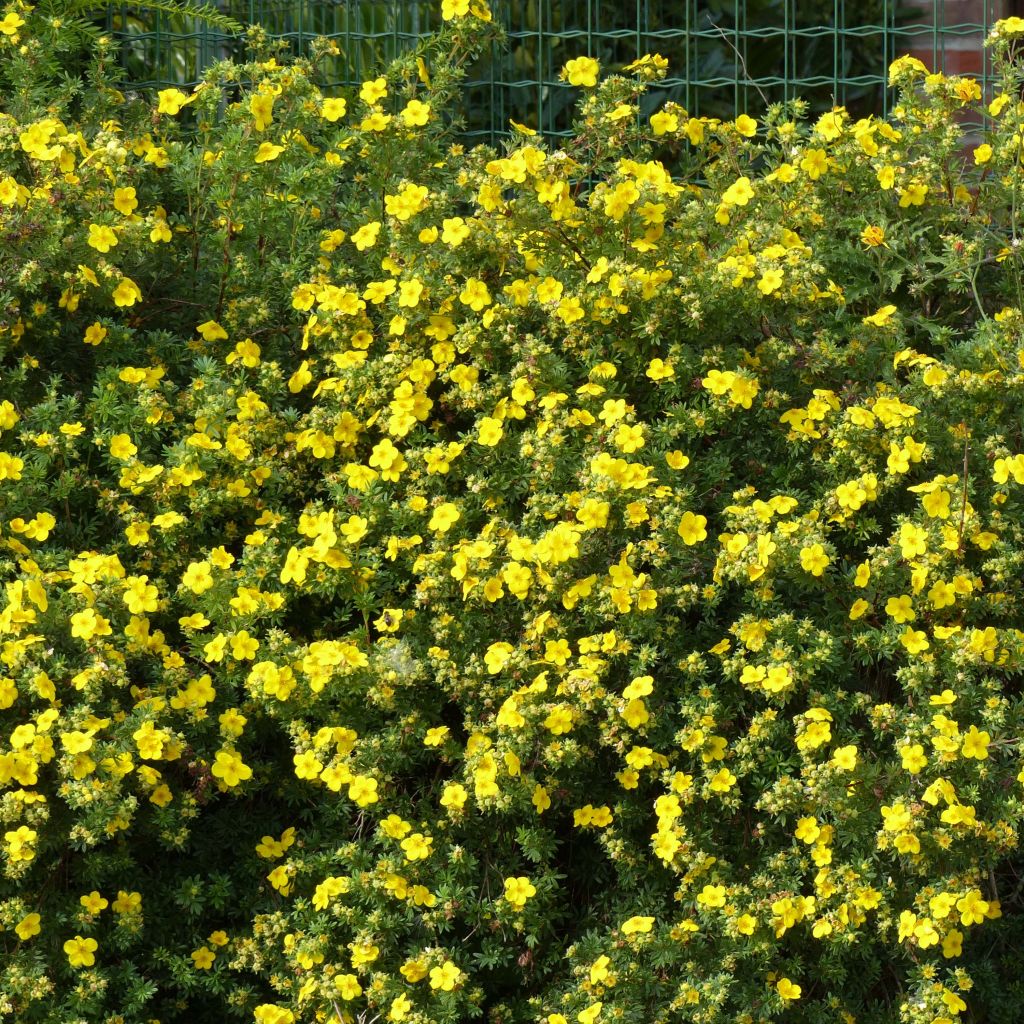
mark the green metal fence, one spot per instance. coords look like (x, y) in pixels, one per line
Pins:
(725, 56)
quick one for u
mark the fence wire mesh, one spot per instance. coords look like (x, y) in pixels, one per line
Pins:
(725, 56)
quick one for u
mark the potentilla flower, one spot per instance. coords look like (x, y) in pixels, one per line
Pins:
(581, 71)
(266, 152)
(81, 951)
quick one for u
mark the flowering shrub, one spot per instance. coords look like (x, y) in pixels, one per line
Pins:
(538, 586)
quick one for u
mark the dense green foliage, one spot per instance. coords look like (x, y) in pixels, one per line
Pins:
(537, 586)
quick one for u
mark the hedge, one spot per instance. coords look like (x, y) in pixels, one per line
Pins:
(546, 585)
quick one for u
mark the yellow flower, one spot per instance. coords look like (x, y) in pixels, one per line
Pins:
(415, 114)
(363, 953)
(886, 177)
(126, 902)
(692, 528)
(664, 121)
(161, 796)
(400, 1007)
(445, 977)
(1009, 28)
(243, 646)
(569, 310)
(972, 907)
(362, 790)
(126, 293)
(718, 382)
(280, 879)
(475, 294)
(739, 193)
(489, 431)
(540, 798)
(711, 896)
(212, 331)
(906, 66)
(373, 90)
(267, 152)
(375, 122)
(21, 843)
(814, 559)
(300, 378)
(952, 944)
(454, 796)
(203, 958)
(996, 107)
(901, 608)
(881, 317)
(976, 744)
(913, 195)
(742, 391)
(746, 126)
(873, 236)
(636, 714)
(172, 100)
(659, 369)
(125, 200)
(307, 765)
(269, 1013)
(436, 736)
(28, 927)
(261, 106)
(914, 640)
(333, 109)
(913, 757)
(599, 970)
(94, 334)
(10, 23)
(770, 281)
(93, 902)
(348, 986)
(101, 237)
(808, 830)
(80, 951)
(10, 192)
(787, 989)
(637, 925)
(559, 721)
(366, 236)
(814, 163)
(121, 447)
(581, 71)
(354, 529)
(830, 125)
(230, 769)
(445, 516)
(518, 891)
(417, 846)
(497, 656)
(746, 924)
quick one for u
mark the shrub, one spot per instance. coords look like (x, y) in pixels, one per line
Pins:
(570, 585)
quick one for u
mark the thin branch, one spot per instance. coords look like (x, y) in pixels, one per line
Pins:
(743, 64)
(963, 506)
